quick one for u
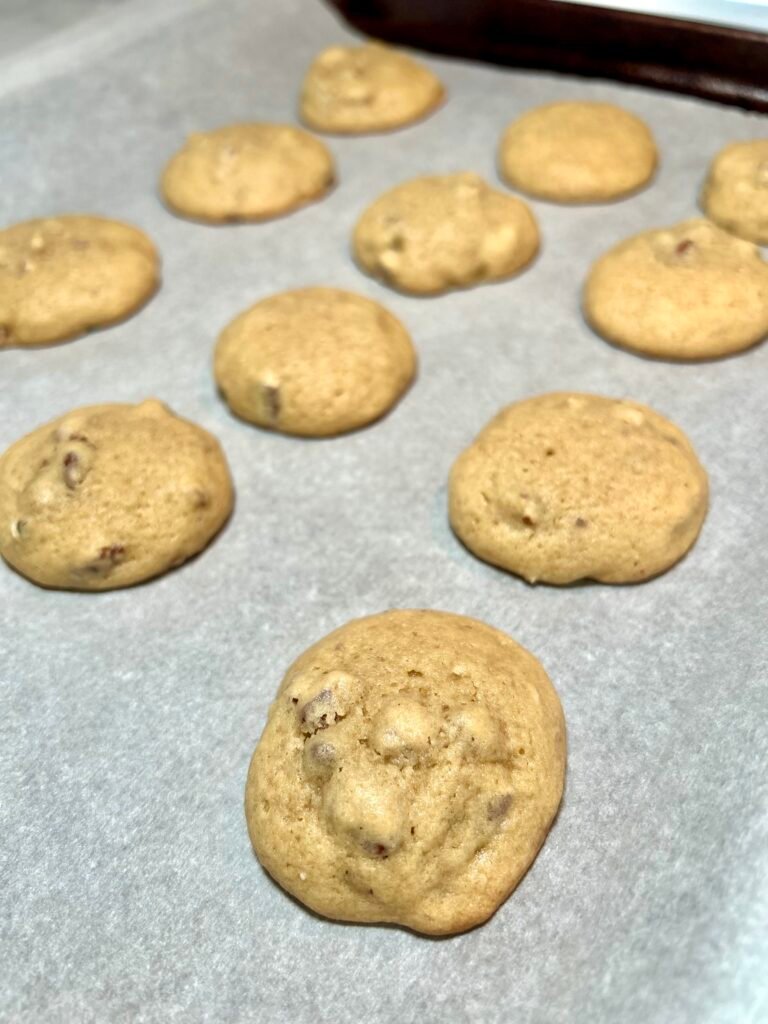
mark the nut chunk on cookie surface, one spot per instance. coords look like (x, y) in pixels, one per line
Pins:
(314, 362)
(246, 172)
(565, 487)
(369, 88)
(63, 276)
(411, 766)
(692, 291)
(109, 495)
(430, 235)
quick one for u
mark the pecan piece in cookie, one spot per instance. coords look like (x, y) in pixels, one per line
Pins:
(73, 470)
(319, 759)
(108, 557)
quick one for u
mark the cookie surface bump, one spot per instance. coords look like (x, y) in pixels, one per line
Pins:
(735, 194)
(247, 172)
(577, 152)
(691, 291)
(369, 88)
(314, 362)
(62, 276)
(411, 766)
(565, 487)
(429, 235)
(109, 495)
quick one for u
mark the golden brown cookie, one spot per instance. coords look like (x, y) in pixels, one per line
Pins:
(691, 291)
(577, 152)
(566, 487)
(314, 362)
(735, 194)
(409, 771)
(62, 276)
(369, 88)
(247, 172)
(109, 495)
(429, 235)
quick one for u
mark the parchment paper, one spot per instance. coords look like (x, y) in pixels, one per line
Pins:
(129, 889)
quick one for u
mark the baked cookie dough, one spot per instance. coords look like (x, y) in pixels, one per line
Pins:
(735, 194)
(691, 291)
(429, 235)
(577, 152)
(411, 766)
(109, 495)
(62, 276)
(314, 362)
(566, 487)
(247, 172)
(369, 88)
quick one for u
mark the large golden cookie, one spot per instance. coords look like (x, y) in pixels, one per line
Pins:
(409, 772)
(314, 362)
(565, 487)
(62, 276)
(109, 495)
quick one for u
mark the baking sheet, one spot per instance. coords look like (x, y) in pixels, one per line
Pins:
(129, 890)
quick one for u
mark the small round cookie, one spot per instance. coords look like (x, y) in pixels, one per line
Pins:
(735, 194)
(691, 291)
(109, 495)
(577, 152)
(314, 362)
(370, 88)
(62, 276)
(429, 235)
(246, 172)
(566, 487)
(410, 769)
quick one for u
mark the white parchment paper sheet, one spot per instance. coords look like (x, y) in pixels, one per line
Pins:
(129, 890)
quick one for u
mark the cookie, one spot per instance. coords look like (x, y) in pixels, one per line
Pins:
(369, 88)
(411, 766)
(109, 495)
(577, 152)
(566, 487)
(246, 172)
(429, 235)
(62, 276)
(691, 291)
(314, 362)
(735, 194)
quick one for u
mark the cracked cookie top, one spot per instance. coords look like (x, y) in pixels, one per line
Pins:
(411, 766)
(109, 495)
